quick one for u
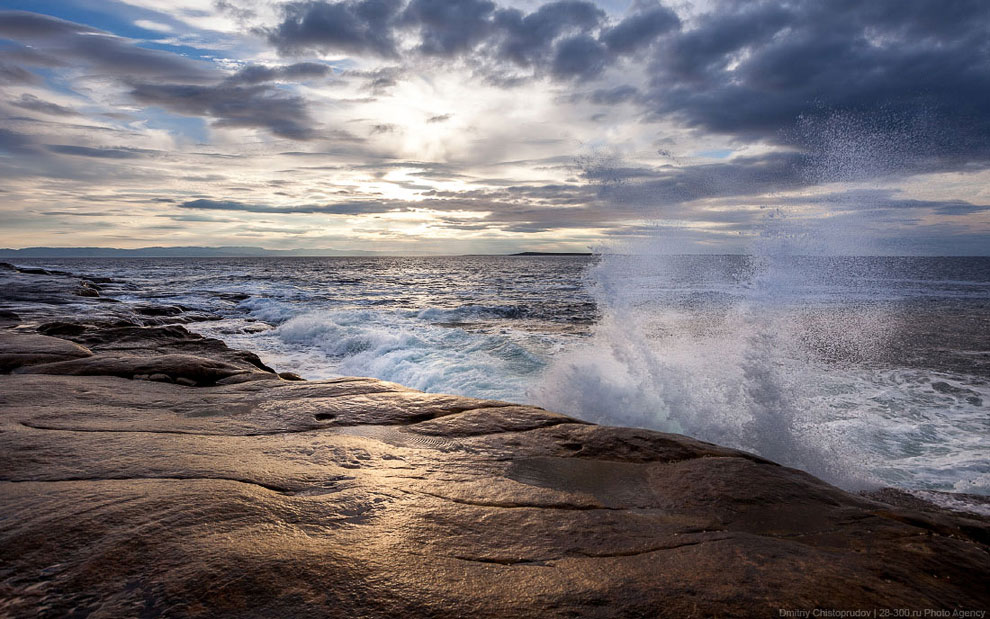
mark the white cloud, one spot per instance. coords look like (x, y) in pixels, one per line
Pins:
(153, 25)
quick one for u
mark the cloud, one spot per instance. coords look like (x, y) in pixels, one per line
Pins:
(556, 38)
(256, 74)
(23, 24)
(669, 185)
(354, 26)
(528, 39)
(342, 208)
(14, 143)
(888, 200)
(33, 103)
(613, 96)
(57, 42)
(836, 92)
(744, 70)
(383, 128)
(249, 98)
(449, 28)
(11, 74)
(579, 57)
(100, 153)
(640, 29)
(379, 80)
(233, 105)
(750, 70)
(153, 25)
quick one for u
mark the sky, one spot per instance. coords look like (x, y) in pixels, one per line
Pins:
(473, 126)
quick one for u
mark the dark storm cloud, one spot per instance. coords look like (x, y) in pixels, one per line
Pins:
(556, 38)
(580, 56)
(528, 39)
(449, 28)
(746, 70)
(31, 102)
(232, 105)
(751, 69)
(640, 29)
(353, 26)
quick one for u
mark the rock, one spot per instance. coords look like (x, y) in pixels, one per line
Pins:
(18, 350)
(290, 376)
(185, 381)
(159, 310)
(356, 497)
(244, 377)
(162, 378)
(176, 339)
(201, 370)
(9, 318)
(41, 287)
(83, 291)
(61, 328)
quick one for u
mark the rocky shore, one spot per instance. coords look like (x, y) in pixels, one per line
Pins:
(148, 471)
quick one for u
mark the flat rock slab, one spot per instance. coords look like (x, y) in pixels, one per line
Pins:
(19, 350)
(198, 370)
(361, 498)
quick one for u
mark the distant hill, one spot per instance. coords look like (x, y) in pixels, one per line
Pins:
(172, 252)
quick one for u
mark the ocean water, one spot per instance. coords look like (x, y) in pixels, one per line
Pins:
(864, 371)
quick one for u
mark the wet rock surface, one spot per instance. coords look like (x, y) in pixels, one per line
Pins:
(360, 498)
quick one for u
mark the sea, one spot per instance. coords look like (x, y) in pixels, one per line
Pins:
(865, 371)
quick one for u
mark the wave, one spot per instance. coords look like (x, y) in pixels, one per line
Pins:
(785, 364)
(401, 346)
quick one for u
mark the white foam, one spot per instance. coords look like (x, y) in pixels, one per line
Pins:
(398, 346)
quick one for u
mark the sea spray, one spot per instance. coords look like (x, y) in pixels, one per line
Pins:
(759, 366)
(727, 368)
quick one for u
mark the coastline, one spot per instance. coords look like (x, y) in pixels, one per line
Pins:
(146, 469)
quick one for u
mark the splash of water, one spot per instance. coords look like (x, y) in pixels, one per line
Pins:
(758, 357)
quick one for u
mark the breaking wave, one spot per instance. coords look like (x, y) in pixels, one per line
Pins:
(769, 355)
